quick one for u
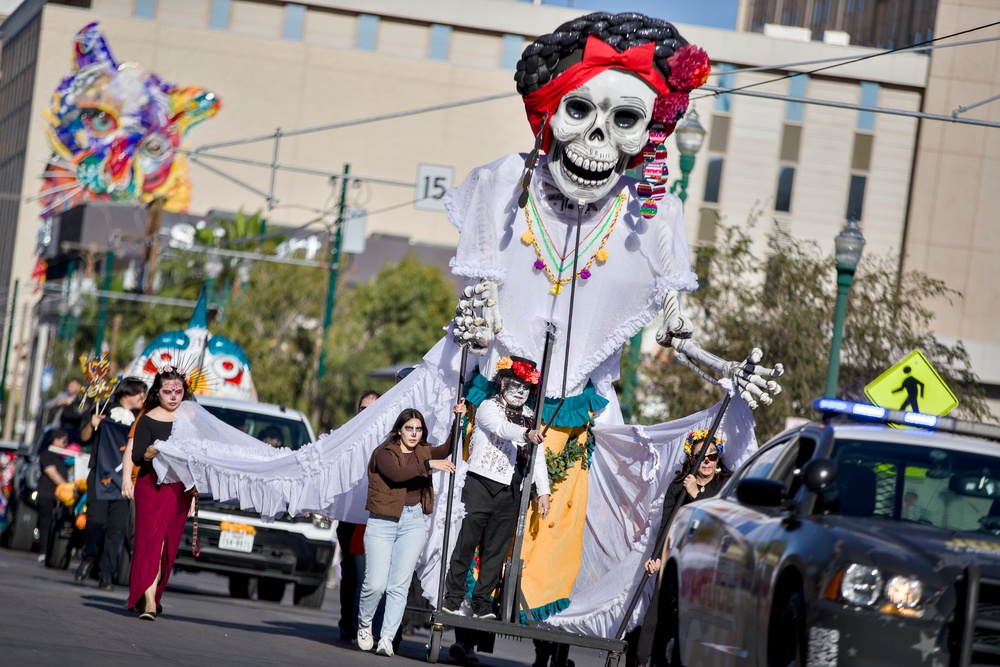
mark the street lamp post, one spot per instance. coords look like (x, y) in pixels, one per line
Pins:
(690, 135)
(213, 269)
(849, 245)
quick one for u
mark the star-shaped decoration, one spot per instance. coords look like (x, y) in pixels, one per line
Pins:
(926, 646)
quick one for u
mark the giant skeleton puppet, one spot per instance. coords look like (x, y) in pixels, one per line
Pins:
(560, 242)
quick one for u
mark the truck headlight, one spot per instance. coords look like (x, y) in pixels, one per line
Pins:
(321, 522)
(861, 585)
(904, 594)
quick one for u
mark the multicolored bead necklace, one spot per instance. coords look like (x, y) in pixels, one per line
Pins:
(603, 232)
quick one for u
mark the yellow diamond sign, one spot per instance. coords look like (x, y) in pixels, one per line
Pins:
(912, 385)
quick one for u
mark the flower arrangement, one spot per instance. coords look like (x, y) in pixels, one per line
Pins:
(526, 372)
(670, 108)
(504, 363)
(689, 68)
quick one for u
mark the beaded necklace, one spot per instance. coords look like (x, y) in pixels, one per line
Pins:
(603, 232)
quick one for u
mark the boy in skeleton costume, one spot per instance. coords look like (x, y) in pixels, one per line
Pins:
(592, 90)
(497, 461)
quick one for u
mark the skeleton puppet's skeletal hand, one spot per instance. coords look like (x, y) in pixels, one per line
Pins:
(477, 317)
(754, 382)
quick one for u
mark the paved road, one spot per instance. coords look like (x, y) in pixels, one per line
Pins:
(48, 619)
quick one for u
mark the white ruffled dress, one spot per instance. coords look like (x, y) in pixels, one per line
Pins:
(632, 465)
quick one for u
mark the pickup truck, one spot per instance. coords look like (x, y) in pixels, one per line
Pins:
(261, 557)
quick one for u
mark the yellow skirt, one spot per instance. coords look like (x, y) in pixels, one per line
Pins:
(553, 546)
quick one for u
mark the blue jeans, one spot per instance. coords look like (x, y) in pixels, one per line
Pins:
(392, 547)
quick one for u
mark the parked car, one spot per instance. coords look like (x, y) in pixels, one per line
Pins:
(261, 557)
(844, 543)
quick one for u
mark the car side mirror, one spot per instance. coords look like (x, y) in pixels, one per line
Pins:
(24, 450)
(761, 492)
(819, 474)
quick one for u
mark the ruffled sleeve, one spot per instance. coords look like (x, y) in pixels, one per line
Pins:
(480, 208)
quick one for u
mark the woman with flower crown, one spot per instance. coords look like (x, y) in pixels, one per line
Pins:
(161, 509)
(705, 482)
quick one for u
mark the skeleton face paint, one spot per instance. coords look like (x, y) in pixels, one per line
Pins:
(595, 131)
(515, 392)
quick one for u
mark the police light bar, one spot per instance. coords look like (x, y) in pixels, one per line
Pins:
(866, 412)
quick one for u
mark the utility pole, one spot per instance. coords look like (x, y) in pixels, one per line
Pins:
(102, 317)
(331, 292)
(116, 326)
(10, 334)
(152, 245)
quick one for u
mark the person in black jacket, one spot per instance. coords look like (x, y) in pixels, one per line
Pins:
(55, 472)
(691, 484)
(107, 509)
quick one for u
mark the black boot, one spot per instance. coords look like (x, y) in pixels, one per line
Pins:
(105, 583)
(83, 571)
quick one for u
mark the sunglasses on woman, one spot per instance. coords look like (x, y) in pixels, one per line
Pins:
(713, 457)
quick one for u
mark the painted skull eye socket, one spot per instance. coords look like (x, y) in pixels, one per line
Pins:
(153, 147)
(627, 118)
(97, 122)
(578, 109)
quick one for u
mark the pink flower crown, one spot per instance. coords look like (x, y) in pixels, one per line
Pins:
(167, 368)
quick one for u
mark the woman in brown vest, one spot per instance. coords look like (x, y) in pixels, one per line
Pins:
(399, 494)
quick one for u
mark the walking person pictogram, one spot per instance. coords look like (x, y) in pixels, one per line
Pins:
(912, 386)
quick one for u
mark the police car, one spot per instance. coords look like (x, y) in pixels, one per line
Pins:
(844, 543)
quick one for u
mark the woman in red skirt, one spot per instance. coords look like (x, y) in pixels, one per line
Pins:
(160, 509)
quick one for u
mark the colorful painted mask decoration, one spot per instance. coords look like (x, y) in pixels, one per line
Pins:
(214, 365)
(112, 129)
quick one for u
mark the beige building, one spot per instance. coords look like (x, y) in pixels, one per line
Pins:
(323, 62)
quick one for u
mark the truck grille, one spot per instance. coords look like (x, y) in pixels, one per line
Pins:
(977, 620)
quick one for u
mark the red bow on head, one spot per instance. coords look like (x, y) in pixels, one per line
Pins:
(638, 59)
(525, 372)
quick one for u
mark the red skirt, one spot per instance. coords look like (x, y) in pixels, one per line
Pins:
(160, 513)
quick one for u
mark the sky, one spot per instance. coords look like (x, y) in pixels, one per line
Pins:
(711, 13)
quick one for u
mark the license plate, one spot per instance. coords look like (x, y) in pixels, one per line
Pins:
(234, 541)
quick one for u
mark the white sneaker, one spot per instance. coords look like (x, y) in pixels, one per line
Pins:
(384, 647)
(365, 639)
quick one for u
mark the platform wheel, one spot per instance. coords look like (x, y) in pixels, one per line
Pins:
(434, 643)
(613, 659)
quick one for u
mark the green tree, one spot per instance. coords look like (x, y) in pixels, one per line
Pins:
(783, 303)
(276, 320)
(394, 319)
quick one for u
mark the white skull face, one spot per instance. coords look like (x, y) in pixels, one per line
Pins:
(595, 131)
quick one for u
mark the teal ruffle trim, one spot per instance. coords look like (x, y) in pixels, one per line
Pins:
(543, 612)
(576, 410)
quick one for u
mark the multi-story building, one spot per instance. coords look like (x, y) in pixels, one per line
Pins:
(883, 24)
(324, 62)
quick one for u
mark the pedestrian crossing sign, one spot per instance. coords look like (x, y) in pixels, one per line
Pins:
(914, 386)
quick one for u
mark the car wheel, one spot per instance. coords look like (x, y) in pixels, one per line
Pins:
(242, 586)
(669, 605)
(786, 640)
(22, 535)
(310, 597)
(270, 590)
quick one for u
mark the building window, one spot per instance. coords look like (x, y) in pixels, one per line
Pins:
(869, 98)
(795, 15)
(440, 41)
(145, 9)
(295, 19)
(786, 179)
(718, 138)
(726, 79)
(861, 159)
(791, 139)
(219, 17)
(797, 87)
(512, 47)
(856, 196)
(367, 32)
(713, 179)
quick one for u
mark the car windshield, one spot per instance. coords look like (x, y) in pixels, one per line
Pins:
(915, 483)
(275, 431)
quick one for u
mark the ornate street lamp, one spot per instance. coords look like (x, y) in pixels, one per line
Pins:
(849, 246)
(689, 135)
(213, 269)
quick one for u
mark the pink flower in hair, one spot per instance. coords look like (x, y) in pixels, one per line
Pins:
(670, 108)
(689, 68)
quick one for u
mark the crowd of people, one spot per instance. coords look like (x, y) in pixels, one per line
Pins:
(379, 556)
